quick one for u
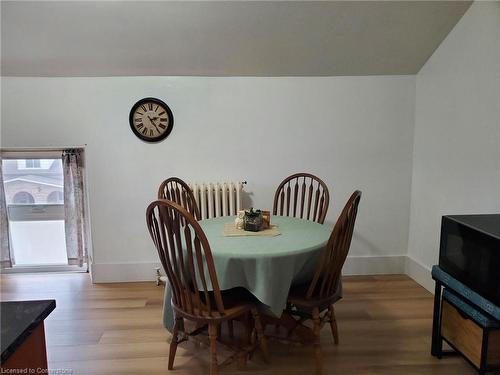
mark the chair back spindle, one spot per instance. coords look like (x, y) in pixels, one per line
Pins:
(325, 281)
(186, 257)
(176, 190)
(302, 195)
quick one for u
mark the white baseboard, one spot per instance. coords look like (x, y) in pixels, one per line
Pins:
(420, 273)
(355, 265)
(374, 265)
(123, 272)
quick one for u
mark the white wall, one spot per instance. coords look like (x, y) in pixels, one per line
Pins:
(456, 162)
(354, 132)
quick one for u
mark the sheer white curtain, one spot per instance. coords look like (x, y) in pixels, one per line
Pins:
(6, 257)
(74, 207)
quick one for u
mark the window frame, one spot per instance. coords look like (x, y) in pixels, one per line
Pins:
(39, 211)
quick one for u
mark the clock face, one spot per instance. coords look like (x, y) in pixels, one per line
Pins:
(151, 120)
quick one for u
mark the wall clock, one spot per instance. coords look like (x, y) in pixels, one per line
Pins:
(151, 120)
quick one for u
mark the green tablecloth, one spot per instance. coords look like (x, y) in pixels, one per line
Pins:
(266, 266)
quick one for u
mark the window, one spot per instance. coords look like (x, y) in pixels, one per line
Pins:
(23, 197)
(35, 206)
(32, 163)
(35, 163)
(56, 197)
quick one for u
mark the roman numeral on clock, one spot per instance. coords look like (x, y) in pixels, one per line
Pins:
(162, 126)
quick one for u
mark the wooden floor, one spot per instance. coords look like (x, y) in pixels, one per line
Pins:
(384, 325)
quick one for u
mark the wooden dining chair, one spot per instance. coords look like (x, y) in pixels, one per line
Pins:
(314, 300)
(187, 259)
(175, 189)
(302, 195)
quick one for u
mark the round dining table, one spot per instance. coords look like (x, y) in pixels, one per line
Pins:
(265, 265)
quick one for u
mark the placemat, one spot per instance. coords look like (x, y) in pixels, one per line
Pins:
(231, 231)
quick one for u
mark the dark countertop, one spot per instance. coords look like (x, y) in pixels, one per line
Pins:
(486, 223)
(18, 320)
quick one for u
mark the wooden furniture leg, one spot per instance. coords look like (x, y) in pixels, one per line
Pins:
(230, 327)
(173, 344)
(212, 334)
(248, 328)
(333, 324)
(437, 341)
(260, 334)
(317, 344)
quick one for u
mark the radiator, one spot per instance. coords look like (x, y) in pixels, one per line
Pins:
(218, 198)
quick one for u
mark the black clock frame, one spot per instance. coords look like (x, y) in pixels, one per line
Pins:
(161, 104)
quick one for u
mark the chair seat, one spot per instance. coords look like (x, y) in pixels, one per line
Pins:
(297, 297)
(236, 301)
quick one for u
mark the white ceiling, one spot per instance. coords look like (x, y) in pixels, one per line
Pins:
(277, 38)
